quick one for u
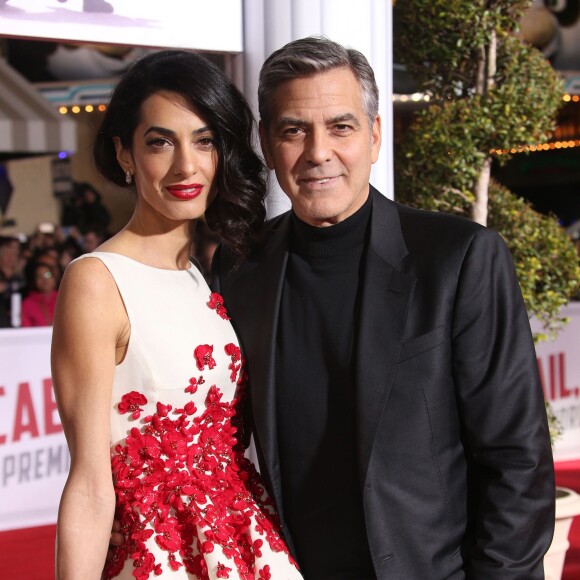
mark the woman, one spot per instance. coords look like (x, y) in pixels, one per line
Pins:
(38, 306)
(146, 366)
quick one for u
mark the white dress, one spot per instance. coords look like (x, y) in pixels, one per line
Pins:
(190, 504)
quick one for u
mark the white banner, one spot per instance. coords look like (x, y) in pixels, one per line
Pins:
(208, 26)
(34, 458)
(559, 364)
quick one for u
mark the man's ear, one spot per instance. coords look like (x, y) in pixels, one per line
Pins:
(123, 156)
(376, 137)
(265, 144)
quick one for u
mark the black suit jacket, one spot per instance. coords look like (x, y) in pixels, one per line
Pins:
(454, 457)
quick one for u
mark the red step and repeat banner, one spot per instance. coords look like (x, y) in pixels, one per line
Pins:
(34, 460)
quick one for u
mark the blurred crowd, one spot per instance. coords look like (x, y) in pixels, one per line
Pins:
(31, 266)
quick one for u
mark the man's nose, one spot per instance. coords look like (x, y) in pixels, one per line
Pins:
(318, 147)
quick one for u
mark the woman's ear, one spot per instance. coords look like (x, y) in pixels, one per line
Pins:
(123, 156)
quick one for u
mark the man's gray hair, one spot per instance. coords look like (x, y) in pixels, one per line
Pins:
(311, 55)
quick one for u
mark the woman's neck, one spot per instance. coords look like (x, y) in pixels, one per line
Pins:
(155, 244)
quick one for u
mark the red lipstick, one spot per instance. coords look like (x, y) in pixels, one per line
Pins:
(186, 191)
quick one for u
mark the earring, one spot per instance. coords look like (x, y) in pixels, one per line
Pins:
(128, 178)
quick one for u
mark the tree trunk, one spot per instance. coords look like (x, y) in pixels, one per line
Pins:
(488, 63)
(479, 206)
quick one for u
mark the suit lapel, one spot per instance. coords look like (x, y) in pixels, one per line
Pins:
(385, 299)
(254, 300)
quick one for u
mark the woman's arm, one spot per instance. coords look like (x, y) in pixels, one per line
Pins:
(90, 328)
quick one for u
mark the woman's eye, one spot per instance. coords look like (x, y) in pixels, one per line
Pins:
(158, 142)
(206, 143)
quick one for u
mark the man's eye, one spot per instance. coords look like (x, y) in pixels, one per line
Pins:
(292, 131)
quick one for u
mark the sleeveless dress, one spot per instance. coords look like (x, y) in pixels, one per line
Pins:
(190, 504)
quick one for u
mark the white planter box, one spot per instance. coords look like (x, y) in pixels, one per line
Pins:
(567, 506)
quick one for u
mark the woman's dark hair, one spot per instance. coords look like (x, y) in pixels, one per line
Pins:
(237, 212)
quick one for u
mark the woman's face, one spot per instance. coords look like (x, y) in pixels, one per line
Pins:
(9, 254)
(44, 280)
(173, 159)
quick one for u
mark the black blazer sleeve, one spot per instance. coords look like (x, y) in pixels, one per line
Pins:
(501, 406)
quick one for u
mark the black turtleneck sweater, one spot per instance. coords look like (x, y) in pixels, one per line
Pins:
(315, 398)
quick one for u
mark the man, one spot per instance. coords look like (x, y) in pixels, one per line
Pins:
(396, 403)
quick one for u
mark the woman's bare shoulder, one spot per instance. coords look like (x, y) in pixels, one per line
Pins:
(87, 276)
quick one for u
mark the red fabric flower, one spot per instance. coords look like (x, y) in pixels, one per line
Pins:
(216, 302)
(189, 408)
(141, 446)
(173, 564)
(222, 571)
(131, 403)
(145, 566)
(257, 545)
(167, 535)
(233, 352)
(163, 410)
(174, 444)
(203, 356)
(193, 384)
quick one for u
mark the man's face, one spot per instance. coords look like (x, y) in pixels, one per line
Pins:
(321, 146)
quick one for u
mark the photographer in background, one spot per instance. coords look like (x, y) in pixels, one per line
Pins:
(11, 277)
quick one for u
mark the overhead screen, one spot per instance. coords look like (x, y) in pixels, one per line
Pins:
(205, 25)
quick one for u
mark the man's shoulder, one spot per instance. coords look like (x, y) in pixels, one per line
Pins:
(434, 233)
(422, 223)
(412, 217)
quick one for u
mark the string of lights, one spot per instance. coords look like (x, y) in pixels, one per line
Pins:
(76, 109)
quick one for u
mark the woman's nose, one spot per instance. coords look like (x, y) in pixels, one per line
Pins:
(185, 162)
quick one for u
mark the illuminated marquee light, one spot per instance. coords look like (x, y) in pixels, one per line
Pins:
(415, 97)
(568, 144)
(563, 144)
(76, 109)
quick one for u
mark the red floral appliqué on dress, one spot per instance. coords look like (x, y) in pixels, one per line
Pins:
(194, 384)
(183, 480)
(131, 403)
(203, 356)
(216, 302)
(233, 351)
